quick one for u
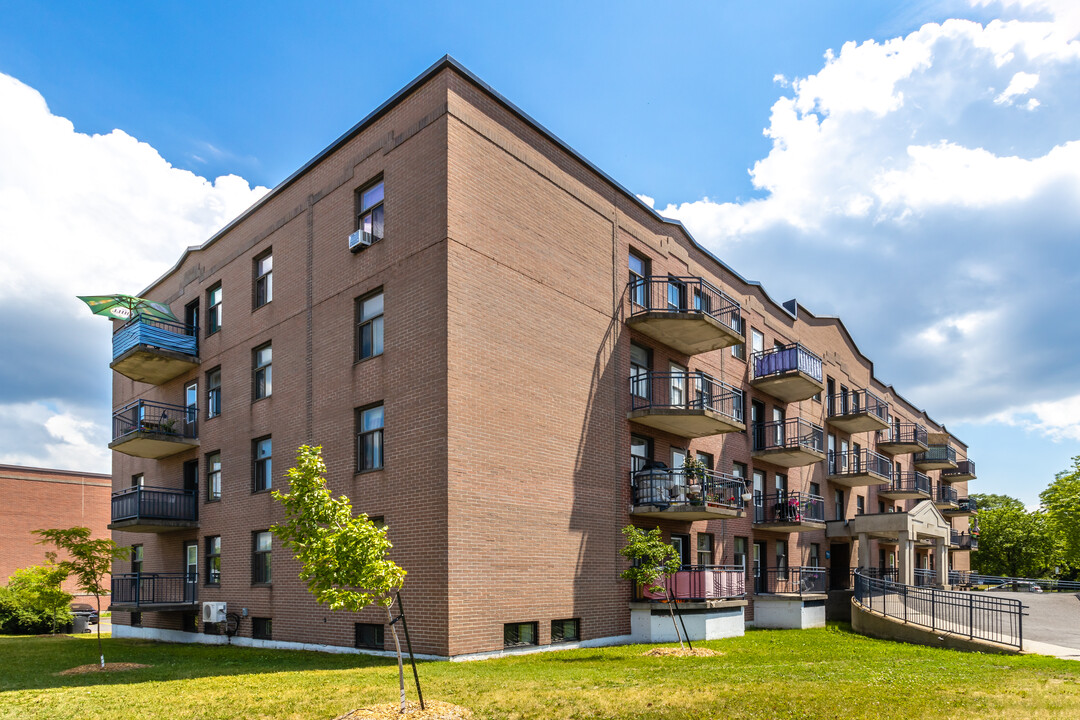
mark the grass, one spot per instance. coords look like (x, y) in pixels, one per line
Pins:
(829, 673)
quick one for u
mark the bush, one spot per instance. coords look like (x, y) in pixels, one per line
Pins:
(33, 602)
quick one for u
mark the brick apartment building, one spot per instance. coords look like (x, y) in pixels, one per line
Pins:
(36, 499)
(506, 357)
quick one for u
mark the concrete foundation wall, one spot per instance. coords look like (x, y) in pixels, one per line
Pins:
(789, 613)
(651, 625)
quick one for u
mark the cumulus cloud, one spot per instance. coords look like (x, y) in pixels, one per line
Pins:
(916, 188)
(81, 214)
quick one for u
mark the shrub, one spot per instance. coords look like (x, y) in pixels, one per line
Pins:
(33, 602)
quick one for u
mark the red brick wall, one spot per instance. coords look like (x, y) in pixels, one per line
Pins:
(38, 499)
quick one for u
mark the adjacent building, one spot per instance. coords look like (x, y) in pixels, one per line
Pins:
(506, 357)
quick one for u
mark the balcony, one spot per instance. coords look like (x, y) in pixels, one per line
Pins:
(901, 438)
(684, 313)
(965, 507)
(964, 540)
(858, 411)
(702, 582)
(154, 351)
(154, 509)
(139, 592)
(910, 485)
(790, 373)
(789, 443)
(794, 580)
(859, 468)
(688, 404)
(789, 512)
(946, 498)
(965, 470)
(676, 494)
(936, 457)
(154, 430)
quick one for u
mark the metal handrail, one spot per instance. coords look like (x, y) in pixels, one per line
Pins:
(684, 295)
(157, 503)
(979, 616)
(963, 577)
(155, 588)
(788, 507)
(909, 481)
(785, 359)
(689, 390)
(963, 467)
(171, 421)
(791, 580)
(937, 453)
(858, 401)
(857, 462)
(702, 582)
(790, 433)
(904, 432)
(667, 487)
(947, 494)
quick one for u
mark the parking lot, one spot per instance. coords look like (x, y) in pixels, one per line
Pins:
(1052, 618)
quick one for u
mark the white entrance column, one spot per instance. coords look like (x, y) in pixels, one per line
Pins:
(941, 562)
(864, 551)
(907, 558)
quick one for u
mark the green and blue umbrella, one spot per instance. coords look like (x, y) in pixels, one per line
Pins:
(125, 307)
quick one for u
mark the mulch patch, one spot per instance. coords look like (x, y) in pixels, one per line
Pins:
(109, 667)
(681, 652)
(434, 710)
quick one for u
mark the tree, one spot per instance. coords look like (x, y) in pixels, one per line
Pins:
(1012, 541)
(38, 589)
(654, 560)
(88, 560)
(1062, 502)
(342, 557)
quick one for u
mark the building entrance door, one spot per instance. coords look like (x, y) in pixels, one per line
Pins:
(839, 566)
(191, 570)
(761, 551)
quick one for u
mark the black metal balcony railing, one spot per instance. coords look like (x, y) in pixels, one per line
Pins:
(968, 541)
(858, 401)
(792, 433)
(702, 582)
(664, 487)
(162, 334)
(170, 421)
(684, 295)
(859, 462)
(935, 454)
(793, 580)
(788, 358)
(968, 505)
(154, 503)
(691, 390)
(911, 481)
(963, 468)
(903, 432)
(789, 507)
(946, 494)
(155, 589)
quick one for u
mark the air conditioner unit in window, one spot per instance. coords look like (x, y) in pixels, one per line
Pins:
(213, 612)
(360, 240)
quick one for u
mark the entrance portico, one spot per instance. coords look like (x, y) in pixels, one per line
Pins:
(924, 522)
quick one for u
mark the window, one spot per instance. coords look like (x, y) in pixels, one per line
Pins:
(860, 505)
(757, 341)
(639, 270)
(369, 635)
(136, 619)
(815, 555)
(213, 560)
(263, 357)
(640, 452)
(705, 459)
(830, 392)
(369, 439)
(213, 476)
(738, 470)
(565, 630)
(843, 456)
(213, 309)
(262, 452)
(781, 559)
(815, 489)
(191, 401)
(261, 628)
(264, 279)
(369, 326)
(739, 555)
(704, 549)
(213, 393)
(515, 634)
(677, 396)
(838, 504)
(137, 480)
(369, 215)
(639, 372)
(833, 465)
(739, 351)
(260, 557)
(191, 318)
(136, 559)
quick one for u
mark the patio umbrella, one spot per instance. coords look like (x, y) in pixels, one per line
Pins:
(124, 307)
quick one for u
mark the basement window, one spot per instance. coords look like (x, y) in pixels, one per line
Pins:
(519, 634)
(566, 630)
(369, 636)
(262, 628)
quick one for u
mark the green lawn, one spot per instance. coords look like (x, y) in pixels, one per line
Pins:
(830, 673)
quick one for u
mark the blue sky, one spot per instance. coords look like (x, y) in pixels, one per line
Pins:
(919, 182)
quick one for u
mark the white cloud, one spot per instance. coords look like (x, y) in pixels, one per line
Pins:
(1058, 419)
(905, 194)
(84, 215)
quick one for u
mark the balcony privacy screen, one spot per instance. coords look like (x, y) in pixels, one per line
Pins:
(155, 333)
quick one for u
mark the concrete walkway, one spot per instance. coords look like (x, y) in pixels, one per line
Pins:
(1052, 625)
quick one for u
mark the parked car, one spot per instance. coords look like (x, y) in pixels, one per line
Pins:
(85, 610)
(1018, 586)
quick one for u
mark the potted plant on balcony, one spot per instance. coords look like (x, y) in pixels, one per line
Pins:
(694, 471)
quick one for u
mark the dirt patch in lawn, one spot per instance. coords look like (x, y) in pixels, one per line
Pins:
(434, 710)
(681, 652)
(109, 667)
